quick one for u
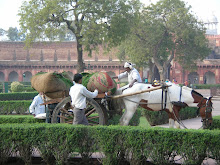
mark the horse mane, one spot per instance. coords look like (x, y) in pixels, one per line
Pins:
(197, 93)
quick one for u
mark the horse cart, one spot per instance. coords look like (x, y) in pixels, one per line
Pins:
(98, 110)
(168, 97)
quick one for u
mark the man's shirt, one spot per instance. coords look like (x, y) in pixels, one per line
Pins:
(133, 74)
(35, 107)
(78, 94)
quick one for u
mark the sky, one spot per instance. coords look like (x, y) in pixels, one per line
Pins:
(204, 9)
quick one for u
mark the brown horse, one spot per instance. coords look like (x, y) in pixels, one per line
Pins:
(172, 99)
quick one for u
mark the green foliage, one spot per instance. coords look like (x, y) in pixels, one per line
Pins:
(216, 123)
(135, 121)
(205, 86)
(161, 117)
(17, 87)
(14, 35)
(92, 22)
(18, 96)
(18, 107)
(67, 81)
(120, 145)
(86, 77)
(19, 119)
(162, 29)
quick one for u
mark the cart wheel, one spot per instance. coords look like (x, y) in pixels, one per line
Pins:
(94, 113)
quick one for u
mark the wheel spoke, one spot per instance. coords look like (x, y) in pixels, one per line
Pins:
(91, 121)
(90, 112)
(93, 112)
(93, 117)
(62, 117)
(65, 111)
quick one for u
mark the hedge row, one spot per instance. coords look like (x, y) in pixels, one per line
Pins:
(19, 119)
(205, 86)
(134, 145)
(135, 121)
(18, 96)
(18, 107)
(216, 123)
(161, 117)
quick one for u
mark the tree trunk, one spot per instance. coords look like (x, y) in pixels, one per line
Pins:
(163, 74)
(80, 64)
(151, 72)
(163, 69)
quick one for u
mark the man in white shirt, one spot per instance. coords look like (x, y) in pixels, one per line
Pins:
(78, 94)
(132, 74)
(35, 107)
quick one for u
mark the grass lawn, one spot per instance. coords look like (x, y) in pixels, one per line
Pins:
(144, 123)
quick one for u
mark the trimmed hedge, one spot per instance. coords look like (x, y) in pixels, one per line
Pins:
(19, 119)
(216, 123)
(161, 117)
(119, 144)
(18, 107)
(205, 86)
(18, 96)
(135, 121)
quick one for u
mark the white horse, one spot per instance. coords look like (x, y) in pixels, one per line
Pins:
(171, 101)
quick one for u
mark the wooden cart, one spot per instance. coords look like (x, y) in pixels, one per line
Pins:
(97, 110)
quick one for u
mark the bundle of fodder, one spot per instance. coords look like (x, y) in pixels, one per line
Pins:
(53, 85)
(99, 80)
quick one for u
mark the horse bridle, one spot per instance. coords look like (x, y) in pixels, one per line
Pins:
(207, 110)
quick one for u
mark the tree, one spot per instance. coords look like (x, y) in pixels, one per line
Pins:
(2, 32)
(92, 22)
(14, 35)
(164, 32)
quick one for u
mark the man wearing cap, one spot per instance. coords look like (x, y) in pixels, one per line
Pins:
(78, 94)
(132, 74)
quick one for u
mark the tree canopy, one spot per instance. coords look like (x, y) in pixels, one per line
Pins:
(92, 22)
(164, 32)
(14, 34)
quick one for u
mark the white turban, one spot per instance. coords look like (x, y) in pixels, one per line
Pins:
(128, 65)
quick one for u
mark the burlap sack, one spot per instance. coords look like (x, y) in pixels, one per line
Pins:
(101, 81)
(52, 84)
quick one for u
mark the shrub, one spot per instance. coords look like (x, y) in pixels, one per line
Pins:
(161, 117)
(18, 96)
(133, 122)
(18, 107)
(120, 145)
(17, 87)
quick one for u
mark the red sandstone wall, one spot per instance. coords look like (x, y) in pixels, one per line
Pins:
(62, 50)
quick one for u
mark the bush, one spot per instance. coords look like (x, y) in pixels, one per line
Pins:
(133, 122)
(19, 119)
(18, 107)
(205, 86)
(17, 87)
(18, 96)
(120, 145)
(161, 117)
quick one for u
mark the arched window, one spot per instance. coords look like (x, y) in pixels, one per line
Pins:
(209, 78)
(13, 76)
(27, 76)
(2, 77)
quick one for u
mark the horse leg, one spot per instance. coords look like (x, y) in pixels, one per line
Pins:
(171, 123)
(173, 117)
(130, 109)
